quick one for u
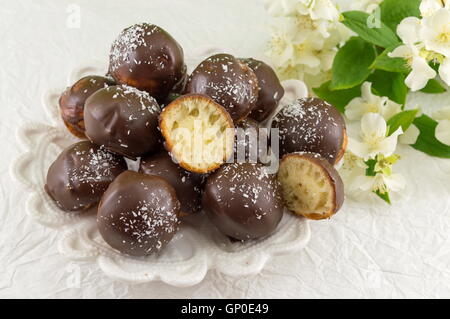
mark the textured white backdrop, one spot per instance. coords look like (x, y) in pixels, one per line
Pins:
(367, 250)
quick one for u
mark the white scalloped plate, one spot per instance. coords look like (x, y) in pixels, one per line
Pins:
(196, 248)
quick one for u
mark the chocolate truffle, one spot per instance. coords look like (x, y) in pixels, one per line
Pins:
(311, 186)
(124, 120)
(227, 81)
(247, 141)
(71, 102)
(243, 201)
(270, 89)
(311, 125)
(180, 86)
(148, 58)
(177, 90)
(81, 174)
(198, 132)
(186, 184)
(138, 214)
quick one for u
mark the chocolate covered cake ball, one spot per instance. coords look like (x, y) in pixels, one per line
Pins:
(138, 214)
(246, 148)
(124, 120)
(243, 201)
(81, 174)
(198, 132)
(229, 82)
(177, 90)
(148, 58)
(72, 100)
(270, 89)
(186, 184)
(311, 125)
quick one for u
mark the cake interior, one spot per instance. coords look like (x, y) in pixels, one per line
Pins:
(200, 132)
(306, 186)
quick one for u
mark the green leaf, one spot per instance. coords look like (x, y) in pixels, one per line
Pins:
(339, 98)
(403, 119)
(385, 63)
(370, 170)
(384, 196)
(394, 11)
(359, 22)
(434, 87)
(435, 66)
(427, 142)
(351, 64)
(391, 85)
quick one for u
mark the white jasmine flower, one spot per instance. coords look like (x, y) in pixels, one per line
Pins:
(281, 46)
(296, 54)
(305, 37)
(352, 169)
(420, 75)
(409, 30)
(443, 128)
(384, 180)
(319, 9)
(354, 173)
(430, 7)
(384, 183)
(373, 139)
(306, 52)
(435, 32)
(371, 103)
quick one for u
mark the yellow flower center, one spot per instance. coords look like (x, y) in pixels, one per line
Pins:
(379, 185)
(372, 108)
(305, 22)
(444, 36)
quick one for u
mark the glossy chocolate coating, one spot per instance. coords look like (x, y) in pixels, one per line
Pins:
(138, 214)
(270, 89)
(72, 100)
(177, 90)
(180, 86)
(311, 125)
(186, 184)
(124, 120)
(81, 174)
(227, 81)
(148, 58)
(243, 201)
(247, 140)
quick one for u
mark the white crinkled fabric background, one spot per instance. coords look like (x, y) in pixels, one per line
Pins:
(367, 250)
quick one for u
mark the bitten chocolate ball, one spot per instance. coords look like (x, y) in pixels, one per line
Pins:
(148, 58)
(81, 174)
(138, 214)
(72, 100)
(311, 186)
(243, 201)
(186, 184)
(229, 82)
(198, 132)
(270, 89)
(124, 120)
(311, 125)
